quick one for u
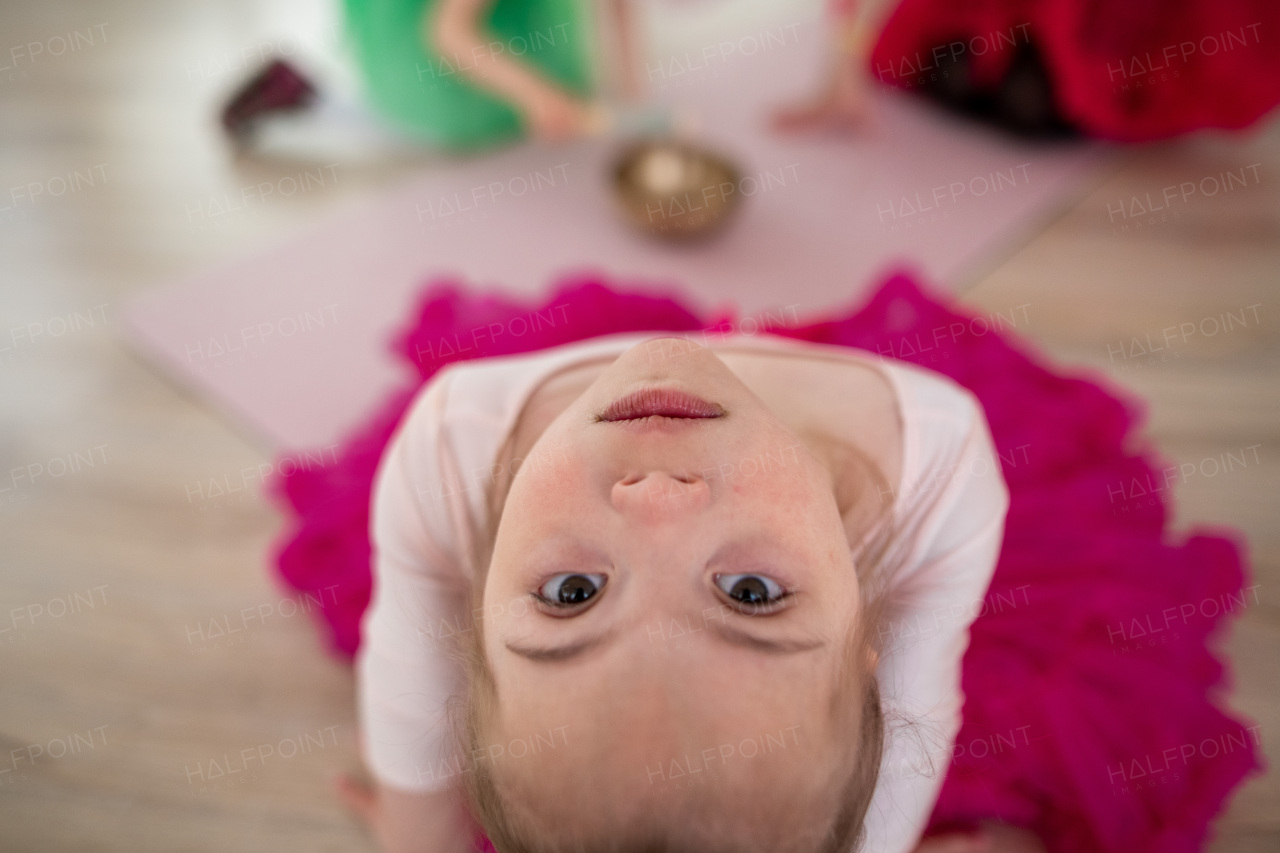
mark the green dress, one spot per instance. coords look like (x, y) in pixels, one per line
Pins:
(427, 94)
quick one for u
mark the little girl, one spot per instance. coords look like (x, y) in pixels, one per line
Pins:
(650, 592)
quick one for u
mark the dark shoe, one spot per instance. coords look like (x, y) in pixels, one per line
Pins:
(277, 88)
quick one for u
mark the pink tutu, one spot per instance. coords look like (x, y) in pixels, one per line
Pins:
(1089, 716)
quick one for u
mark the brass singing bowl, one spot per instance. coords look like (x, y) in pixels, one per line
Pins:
(674, 190)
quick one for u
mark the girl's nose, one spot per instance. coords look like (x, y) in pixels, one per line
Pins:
(657, 496)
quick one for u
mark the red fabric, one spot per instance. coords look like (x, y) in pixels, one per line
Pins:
(1130, 70)
(1088, 680)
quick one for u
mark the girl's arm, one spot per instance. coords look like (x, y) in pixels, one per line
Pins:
(453, 30)
(844, 102)
(626, 64)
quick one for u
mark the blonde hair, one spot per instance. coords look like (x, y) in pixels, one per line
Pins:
(856, 703)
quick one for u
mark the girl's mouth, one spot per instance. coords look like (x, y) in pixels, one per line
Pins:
(661, 403)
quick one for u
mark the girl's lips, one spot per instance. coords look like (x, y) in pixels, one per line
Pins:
(660, 402)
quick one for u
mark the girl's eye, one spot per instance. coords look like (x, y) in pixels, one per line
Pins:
(571, 589)
(751, 590)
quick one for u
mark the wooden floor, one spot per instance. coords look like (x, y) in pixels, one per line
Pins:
(120, 706)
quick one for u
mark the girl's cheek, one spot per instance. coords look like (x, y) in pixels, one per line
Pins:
(541, 472)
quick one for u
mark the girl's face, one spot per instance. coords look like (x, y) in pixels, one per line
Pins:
(664, 586)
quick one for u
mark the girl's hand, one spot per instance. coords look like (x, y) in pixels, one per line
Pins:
(844, 105)
(990, 837)
(553, 115)
(403, 822)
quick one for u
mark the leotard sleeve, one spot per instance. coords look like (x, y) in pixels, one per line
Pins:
(950, 514)
(405, 673)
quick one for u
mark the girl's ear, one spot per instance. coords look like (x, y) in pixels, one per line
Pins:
(873, 659)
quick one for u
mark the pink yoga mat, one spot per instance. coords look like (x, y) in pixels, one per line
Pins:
(291, 342)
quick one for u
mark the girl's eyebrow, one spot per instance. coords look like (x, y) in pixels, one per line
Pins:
(728, 633)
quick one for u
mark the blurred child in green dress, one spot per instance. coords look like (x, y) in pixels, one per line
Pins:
(464, 75)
